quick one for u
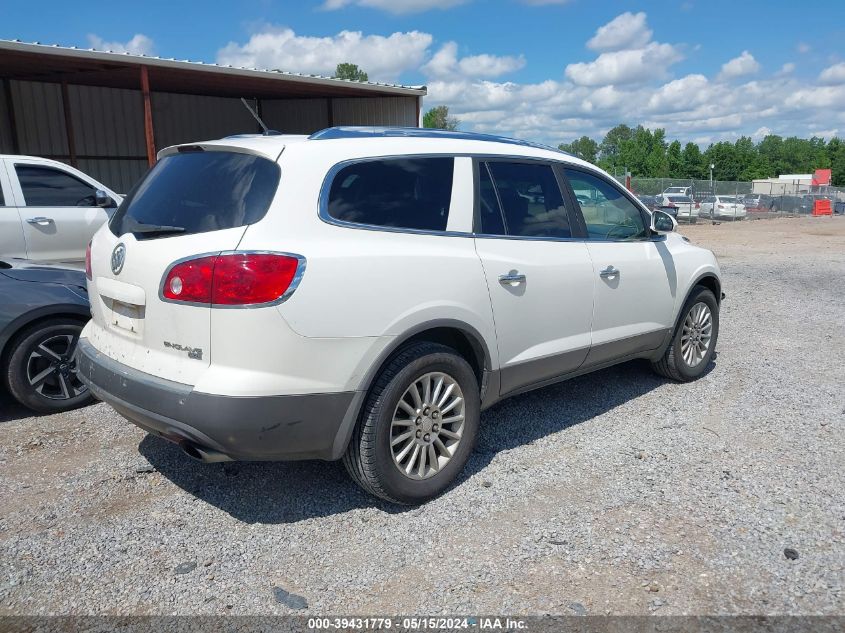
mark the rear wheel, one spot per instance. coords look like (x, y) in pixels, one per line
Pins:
(42, 372)
(418, 426)
(694, 341)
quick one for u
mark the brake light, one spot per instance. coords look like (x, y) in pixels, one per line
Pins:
(721, 206)
(88, 272)
(697, 205)
(232, 279)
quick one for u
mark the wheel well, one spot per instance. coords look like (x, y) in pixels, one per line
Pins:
(712, 284)
(465, 344)
(9, 345)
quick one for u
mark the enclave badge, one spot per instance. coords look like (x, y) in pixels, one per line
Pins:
(118, 256)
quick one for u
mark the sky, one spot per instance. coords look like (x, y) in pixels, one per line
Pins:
(543, 70)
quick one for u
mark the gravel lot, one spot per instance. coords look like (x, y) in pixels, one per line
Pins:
(616, 493)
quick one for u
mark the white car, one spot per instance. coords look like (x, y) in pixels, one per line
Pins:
(364, 293)
(678, 191)
(48, 210)
(680, 207)
(724, 207)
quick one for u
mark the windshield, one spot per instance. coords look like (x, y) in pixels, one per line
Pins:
(197, 192)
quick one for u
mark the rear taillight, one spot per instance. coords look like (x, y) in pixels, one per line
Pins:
(232, 279)
(88, 272)
(697, 205)
(721, 206)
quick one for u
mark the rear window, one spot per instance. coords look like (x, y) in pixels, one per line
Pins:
(197, 192)
(405, 193)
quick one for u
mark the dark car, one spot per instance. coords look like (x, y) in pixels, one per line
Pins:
(42, 311)
(839, 207)
(650, 202)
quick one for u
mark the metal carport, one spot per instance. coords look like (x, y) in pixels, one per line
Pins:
(108, 113)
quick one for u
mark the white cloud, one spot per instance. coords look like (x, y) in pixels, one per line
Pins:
(803, 47)
(384, 58)
(140, 44)
(761, 133)
(625, 31)
(740, 66)
(394, 6)
(445, 64)
(625, 67)
(787, 68)
(833, 75)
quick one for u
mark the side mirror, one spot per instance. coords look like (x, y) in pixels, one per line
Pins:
(102, 199)
(662, 222)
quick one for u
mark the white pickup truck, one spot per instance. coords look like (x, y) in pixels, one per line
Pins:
(48, 210)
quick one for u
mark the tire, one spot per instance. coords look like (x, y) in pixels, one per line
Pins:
(43, 346)
(371, 456)
(674, 363)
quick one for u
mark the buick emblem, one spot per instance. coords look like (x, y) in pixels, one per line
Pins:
(118, 256)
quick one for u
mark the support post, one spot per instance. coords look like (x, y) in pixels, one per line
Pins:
(10, 107)
(71, 144)
(149, 135)
(330, 111)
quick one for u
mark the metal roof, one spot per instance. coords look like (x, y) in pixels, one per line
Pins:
(20, 60)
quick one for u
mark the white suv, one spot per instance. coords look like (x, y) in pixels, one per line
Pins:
(364, 293)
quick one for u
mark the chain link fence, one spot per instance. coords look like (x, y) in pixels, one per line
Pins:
(729, 201)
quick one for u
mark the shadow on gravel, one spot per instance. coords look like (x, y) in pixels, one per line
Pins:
(267, 492)
(11, 411)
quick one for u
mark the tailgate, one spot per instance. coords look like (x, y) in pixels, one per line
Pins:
(131, 323)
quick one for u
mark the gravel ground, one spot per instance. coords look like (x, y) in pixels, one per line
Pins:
(616, 493)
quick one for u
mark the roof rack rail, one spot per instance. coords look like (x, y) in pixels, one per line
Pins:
(340, 132)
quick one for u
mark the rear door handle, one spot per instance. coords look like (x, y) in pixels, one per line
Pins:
(609, 272)
(512, 278)
(40, 221)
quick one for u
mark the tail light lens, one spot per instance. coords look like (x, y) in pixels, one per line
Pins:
(88, 272)
(721, 206)
(697, 205)
(232, 279)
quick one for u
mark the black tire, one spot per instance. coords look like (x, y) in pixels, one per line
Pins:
(672, 364)
(51, 398)
(368, 458)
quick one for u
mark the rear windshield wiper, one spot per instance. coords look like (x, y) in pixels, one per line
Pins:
(140, 227)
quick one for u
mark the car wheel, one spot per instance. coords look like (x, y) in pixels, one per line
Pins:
(418, 426)
(41, 373)
(694, 340)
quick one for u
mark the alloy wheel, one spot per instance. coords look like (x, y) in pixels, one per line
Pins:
(51, 370)
(427, 425)
(696, 334)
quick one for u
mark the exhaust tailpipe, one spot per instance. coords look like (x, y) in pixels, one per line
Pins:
(202, 454)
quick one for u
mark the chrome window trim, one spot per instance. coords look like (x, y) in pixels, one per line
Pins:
(294, 284)
(325, 188)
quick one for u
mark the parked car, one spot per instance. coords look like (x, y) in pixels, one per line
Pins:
(41, 315)
(757, 203)
(678, 191)
(789, 204)
(723, 207)
(680, 207)
(398, 281)
(650, 202)
(48, 210)
(839, 207)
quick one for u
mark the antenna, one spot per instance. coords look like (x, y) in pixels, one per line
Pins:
(267, 131)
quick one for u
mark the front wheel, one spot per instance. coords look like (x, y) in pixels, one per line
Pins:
(41, 374)
(694, 340)
(418, 426)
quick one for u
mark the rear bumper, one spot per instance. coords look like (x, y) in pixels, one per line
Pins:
(309, 426)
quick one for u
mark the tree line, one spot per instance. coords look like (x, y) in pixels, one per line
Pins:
(646, 153)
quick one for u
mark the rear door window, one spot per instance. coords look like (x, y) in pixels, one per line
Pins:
(529, 197)
(401, 193)
(50, 187)
(197, 192)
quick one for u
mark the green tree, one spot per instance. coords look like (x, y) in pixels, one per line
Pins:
(438, 118)
(610, 147)
(350, 72)
(836, 156)
(692, 162)
(675, 160)
(584, 147)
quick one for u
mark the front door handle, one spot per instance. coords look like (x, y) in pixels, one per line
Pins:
(513, 278)
(609, 272)
(40, 221)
